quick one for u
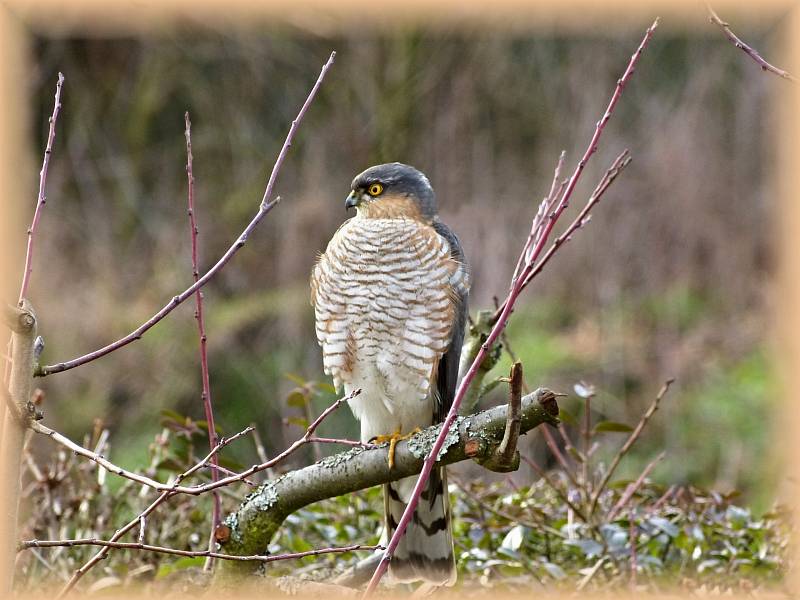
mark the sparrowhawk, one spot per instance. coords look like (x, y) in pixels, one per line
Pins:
(390, 298)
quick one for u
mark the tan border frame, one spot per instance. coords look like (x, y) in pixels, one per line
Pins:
(20, 19)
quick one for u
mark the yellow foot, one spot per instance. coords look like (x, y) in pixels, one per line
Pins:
(393, 438)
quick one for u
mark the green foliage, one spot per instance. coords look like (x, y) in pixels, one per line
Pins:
(509, 538)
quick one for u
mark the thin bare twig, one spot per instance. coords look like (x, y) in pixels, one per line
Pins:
(101, 554)
(538, 525)
(628, 444)
(587, 435)
(41, 200)
(138, 478)
(559, 456)
(532, 255)
(25, 545)
(622, 161)
(260, 451)
(543, 474)
(713, 17)
(632, 529)
(42, 197)
(545, 209)
(633, 487)
(265, 207)
(201, 330)
(198, 489)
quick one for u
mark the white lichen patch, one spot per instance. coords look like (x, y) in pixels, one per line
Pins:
(336, 460)
(421, 444)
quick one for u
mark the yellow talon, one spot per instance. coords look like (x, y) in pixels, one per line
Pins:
(393, 439)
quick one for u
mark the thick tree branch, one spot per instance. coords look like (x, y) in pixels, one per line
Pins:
(22, 322)
(257, 520)
(267, 204)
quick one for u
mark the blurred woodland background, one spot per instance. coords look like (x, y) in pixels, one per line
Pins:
(672, 278)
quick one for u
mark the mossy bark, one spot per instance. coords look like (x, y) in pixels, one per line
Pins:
(261, 514)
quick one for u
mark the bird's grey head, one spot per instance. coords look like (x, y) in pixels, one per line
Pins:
(392, 190)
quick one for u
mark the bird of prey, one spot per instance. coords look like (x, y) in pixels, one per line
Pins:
(390, 299)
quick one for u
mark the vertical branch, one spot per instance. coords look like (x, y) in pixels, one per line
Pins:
(532, 255)
(37, 213)
(201, 329)
(22, 323)
(42, 198)
(587, 435)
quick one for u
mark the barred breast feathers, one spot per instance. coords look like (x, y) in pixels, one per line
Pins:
(384, 289)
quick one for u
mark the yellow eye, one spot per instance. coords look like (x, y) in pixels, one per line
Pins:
(375, 189)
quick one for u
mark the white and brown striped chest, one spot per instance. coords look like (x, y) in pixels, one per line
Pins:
(383, 298)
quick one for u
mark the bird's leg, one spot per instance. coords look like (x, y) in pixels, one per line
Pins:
(393, 439)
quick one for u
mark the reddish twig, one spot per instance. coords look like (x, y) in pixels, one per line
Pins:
(628, 444)
(25, 545)
(42, 198)
(545, 209)
(547, 224)
(201, 330)
(622, 161)
(516, 288)
(265, 207)
(633, 487)
(713, 17)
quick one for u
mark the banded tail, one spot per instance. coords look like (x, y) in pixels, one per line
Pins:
(425, 552)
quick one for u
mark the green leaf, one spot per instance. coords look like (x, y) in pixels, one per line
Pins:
(299, 421)
(574, 453)
(326, 387)
(296, 379)
(554, 571)
(664, 525)
(611, 426)
(186, 562)
(589, 547)
(297, 399)
(566, 416)
(172, 415)
(169, 464)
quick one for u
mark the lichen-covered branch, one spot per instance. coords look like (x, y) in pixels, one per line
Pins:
(252, 526)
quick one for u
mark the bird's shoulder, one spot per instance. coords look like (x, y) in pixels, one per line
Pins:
(460, 276)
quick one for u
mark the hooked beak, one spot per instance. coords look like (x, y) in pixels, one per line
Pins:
(353, 200)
